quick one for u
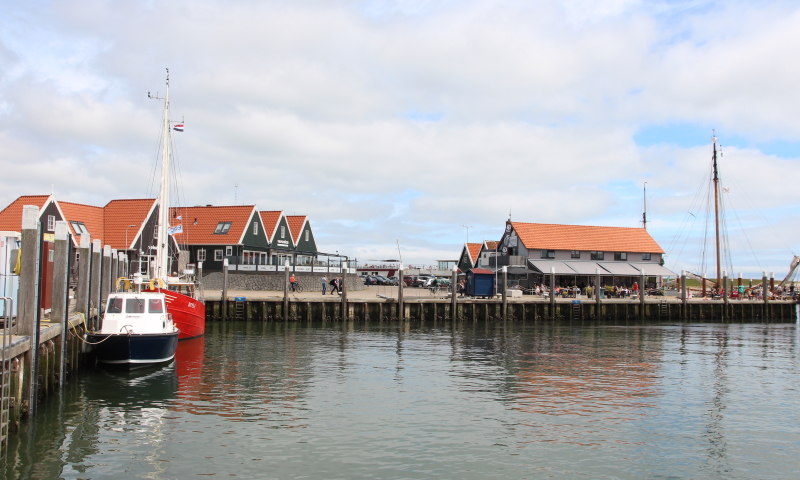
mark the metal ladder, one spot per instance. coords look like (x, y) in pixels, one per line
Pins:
(576, 311)
(664, 310)
(238, 308)
(5, 372)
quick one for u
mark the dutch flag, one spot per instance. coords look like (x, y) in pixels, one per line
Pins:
(178, 127)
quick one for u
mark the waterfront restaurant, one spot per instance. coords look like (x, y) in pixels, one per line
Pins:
(577, 253)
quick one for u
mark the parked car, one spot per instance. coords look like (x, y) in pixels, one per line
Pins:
(384, 281)
(420, 280)
(408, 279)
(394, 280)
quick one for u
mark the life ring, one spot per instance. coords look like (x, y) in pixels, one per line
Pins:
(154, 281)
(123, 281)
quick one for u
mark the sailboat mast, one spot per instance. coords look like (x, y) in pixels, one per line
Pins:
(716, 206)
(644, 203)
(162, 252)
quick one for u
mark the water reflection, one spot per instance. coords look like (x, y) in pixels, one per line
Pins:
(478, 400)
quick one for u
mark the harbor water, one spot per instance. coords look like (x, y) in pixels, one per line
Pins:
(298, 400)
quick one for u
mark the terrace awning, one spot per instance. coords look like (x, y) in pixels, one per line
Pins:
(586, 268)
(620, 268)
(544, 266)
(654, 269)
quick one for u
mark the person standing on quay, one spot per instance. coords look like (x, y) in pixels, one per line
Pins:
(324, 284)
(334, 285)
(293, 282)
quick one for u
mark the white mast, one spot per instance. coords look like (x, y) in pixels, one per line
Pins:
(162, 250)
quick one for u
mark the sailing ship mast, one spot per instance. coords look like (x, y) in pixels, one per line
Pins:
(162, 250)
(716, 204)
(644, 203)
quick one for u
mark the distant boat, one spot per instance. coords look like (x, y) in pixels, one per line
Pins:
(142, 326)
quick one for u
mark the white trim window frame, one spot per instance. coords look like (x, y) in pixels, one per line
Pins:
(218, 255)
(201, 255)
(51, 223)
(228, 251)
(255, 228)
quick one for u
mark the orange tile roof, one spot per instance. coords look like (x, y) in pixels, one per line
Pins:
(296, 223)
(474, 250)
(491, 244)
(11, 216)
(199, 224)
(92, 217)
(118, 214)
(270, 220)
(583, 237)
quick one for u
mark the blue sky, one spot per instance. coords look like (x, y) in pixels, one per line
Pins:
(402, 120)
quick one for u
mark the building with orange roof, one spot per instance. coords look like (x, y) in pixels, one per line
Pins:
(577, 252)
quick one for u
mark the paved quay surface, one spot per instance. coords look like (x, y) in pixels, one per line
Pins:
(376, 292)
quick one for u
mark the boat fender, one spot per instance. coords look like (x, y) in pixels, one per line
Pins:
(123, 281)
(154, 281)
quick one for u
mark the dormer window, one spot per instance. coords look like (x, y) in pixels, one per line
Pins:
(222, 228)
(80, 228)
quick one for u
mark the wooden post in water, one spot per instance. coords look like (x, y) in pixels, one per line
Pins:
(60, 308)
(597, 300)
(400, 300)
(224, 313)
(286, 291)
(105, 286)
(454, 294)
(553, 292)
(29, 311)
(114, 269)
(343, 289)
(505, 292)
(765, 295)
(725, 295)
(641, 294)
(94, 282)
(684, 296)
(84, 272)
(771, 282)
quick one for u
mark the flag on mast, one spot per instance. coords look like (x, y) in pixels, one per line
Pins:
(178, 127)
(175, 230)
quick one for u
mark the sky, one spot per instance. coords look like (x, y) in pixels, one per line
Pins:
(408, 121)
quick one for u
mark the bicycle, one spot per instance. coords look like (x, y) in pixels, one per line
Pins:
(435, 289)
(297, 288)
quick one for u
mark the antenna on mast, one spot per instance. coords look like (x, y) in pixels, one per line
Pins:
(644, 202)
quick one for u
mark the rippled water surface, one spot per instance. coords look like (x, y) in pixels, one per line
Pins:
(330, 401)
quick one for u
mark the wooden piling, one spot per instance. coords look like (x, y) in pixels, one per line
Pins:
(505, 292)
(454, 294)
(96, 278)
(28, 309)
(225, 289)
(84, 273)
(400, 300)
(105, 276)
(60, 306)
(114, 269)
(343, 289)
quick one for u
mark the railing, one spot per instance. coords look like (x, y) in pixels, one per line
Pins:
(5, 372)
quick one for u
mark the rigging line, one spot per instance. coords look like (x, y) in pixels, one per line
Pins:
(762, 217)
(744, 233)
(695, 200)
(685, 240)
(156, 159)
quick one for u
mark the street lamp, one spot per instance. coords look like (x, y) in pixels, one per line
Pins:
(467, 227)
(126, 236)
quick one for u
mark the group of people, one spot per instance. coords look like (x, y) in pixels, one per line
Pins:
(335, 284)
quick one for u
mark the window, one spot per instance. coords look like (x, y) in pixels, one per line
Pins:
(201, 255)
(548, 254)
(79, 228)
(255, 228)
(575, 254)
(306, 235)
(283, 231)
(134, 305)
(228, 251)
(155, 305)
(222, 228)
(597, 255)
(155, 232)
(51, 223)
(645, 256)
(114, 305)
(217, 255)
(77, 256)
(620, 256)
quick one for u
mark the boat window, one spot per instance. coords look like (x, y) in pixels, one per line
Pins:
(155, 305)
(134, 305)
(114, 305)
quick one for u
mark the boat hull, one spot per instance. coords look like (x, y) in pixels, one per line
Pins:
(135, 350)
(188, 314)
